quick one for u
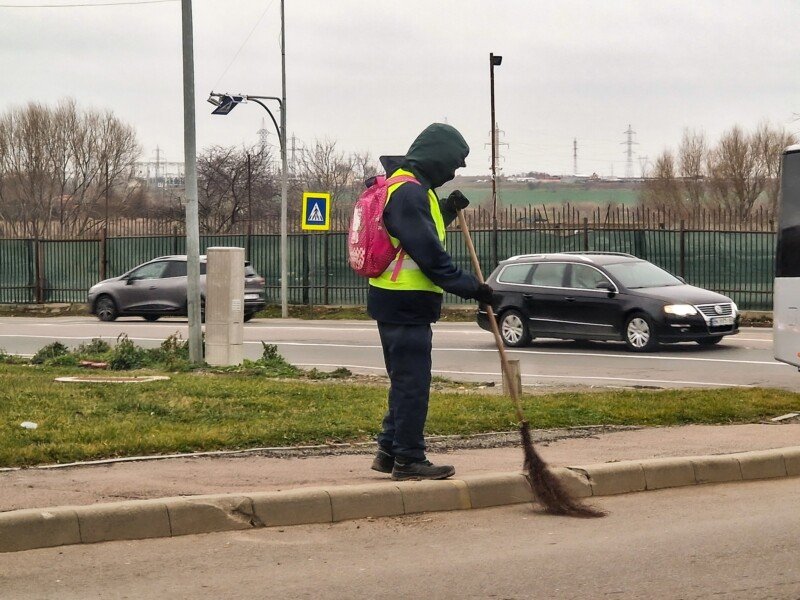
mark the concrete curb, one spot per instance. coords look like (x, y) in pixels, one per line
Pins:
(166, 517)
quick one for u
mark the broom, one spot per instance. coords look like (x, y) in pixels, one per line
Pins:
(546, 486)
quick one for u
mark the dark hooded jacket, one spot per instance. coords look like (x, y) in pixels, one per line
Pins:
(433, 158)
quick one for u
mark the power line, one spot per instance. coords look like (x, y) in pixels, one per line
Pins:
(88, 5)
(247, 39)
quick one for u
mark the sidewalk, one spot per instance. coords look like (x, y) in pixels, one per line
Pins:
(34, 488)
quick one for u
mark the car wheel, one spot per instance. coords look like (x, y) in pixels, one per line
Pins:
(514, 330)
(640, 333)
(151, 318)
(248, 316)
(106, 309)
(709, 341)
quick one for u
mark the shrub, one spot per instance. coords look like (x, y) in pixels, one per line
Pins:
(9, 359)
(173, 354)
(49, 352)
(63, 360)
(93, 348)
(270, 352)
(126, 355)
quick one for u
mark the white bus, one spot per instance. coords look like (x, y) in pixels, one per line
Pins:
(786, 308)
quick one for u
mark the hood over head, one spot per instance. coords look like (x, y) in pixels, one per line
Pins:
(436, 153)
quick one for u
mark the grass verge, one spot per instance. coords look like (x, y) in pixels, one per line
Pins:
(232, 410)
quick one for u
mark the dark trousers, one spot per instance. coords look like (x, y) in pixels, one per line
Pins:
(407, 352)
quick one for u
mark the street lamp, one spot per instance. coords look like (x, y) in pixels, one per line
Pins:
(225, 103)
(494, 61)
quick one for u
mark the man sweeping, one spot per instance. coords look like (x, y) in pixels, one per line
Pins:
(407, 297)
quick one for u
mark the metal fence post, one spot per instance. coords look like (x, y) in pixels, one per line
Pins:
(103, 261)
(327, 267)
(306, 270)
(174, 239)
(39, 258)
(585, 234)
(682, 250)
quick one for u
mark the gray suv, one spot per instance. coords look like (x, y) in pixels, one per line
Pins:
(158, 288)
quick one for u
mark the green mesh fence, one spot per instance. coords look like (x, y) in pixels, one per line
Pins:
(17, 271)
(737, 264)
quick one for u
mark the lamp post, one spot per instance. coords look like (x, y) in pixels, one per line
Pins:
(192, 219)
(494, 61)
(225, 103)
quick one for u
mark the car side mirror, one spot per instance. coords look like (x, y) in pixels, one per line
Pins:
(606, 285)
(130, 280)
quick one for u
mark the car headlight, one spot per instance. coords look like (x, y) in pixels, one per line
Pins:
(680, 310)
(735, 308)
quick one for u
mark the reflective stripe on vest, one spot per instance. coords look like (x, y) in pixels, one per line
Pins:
(409, 277)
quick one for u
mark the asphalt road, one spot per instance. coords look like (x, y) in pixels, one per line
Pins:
(734, 541)
(462, 351)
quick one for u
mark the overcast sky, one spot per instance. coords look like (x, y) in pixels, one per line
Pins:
(371, 74)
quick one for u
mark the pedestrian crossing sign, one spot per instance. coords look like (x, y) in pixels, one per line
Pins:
(316, 211)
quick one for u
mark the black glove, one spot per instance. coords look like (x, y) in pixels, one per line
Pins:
(484, 294)
(456, 201)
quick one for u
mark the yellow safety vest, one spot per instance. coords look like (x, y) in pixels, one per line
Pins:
(404, 274)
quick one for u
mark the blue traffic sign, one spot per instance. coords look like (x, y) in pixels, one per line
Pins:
(316, 211)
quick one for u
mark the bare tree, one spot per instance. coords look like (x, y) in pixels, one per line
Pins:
(56, 164)
(769, 143)
(692, 158)
(226, 196)
(661, 189)
(364, 167)
(323, 168)
(737, 174)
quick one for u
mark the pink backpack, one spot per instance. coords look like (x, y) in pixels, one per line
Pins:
(369, 247)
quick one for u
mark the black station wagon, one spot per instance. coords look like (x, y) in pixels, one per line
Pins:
(604, 296)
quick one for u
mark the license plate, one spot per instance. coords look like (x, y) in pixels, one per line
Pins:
(251, 296)
(721, 321)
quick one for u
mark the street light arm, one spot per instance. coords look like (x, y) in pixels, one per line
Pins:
(271, 116)
(278, 100)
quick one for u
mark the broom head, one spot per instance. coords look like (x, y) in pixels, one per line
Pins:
(548, 489)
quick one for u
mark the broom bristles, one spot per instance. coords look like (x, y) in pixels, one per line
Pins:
(546, 486)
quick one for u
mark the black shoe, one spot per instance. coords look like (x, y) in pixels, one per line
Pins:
(383, 462)
(421, 469)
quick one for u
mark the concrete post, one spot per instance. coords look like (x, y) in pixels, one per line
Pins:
(224, 306)
(516, 381)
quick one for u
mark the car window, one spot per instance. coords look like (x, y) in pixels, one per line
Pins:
(515, 274)
(641, 274)
(175, 268)
(203, 268)
(585, 277)
(549, 274)
(153, 270)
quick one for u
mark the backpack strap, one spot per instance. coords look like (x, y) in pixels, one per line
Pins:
(398, 265)
(402, 254)
(402, 179)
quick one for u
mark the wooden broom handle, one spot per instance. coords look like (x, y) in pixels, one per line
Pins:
(476, 265)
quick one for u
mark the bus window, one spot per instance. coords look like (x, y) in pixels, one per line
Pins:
(788, 251)
(786, 306)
